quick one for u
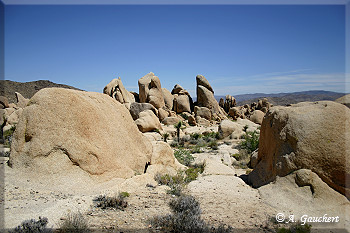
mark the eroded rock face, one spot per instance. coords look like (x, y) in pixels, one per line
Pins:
(306, 135)
(116, 90)
(137, 108)
(62, 130)
(4, 103)
(168, 99)
(202, 112)
(150, 90)
(344, 100)
(148, 121)
(230, 102)
(257, 116)
(182, 103)
(21, 101)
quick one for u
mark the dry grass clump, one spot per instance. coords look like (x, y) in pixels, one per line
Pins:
(116, 202)
(74, 223)
(185, 217)
(33, 226)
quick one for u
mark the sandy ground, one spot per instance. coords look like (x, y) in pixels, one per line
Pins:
(224, 197)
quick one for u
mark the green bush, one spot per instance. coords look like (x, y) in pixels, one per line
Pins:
(250, 141)
(295, 228)
(8, 134)
(183, 156)
(32, 226)
(213, 145)
(116, 202)
(74, 223)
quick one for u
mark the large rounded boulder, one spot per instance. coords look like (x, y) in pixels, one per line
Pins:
(307, 135)
(61, 130)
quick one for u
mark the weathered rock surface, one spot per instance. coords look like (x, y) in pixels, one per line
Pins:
(168, 98)
(21, 101)
(257, 116)
(344, 100)
(170, 120)
(148, 121)
(63, 130)
(150, 90)
(137, 108)
(116, 90)
(4, 102)
(182, 103)
(306, 135)
(202, 112)
(202, 81)
(227, 127)
(230, 102)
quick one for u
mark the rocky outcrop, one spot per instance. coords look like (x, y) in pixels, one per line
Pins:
(168, 99)
(150, 90)
(4, 102)
(170, 121)
(202, 112)
(205, 98)
(63, 130)
(21, 101)
(116, 90)
(227, 128)
(306, 135)
(137, 108)
(257, 116)
(230, 102)
(345, 100)
(148, 121)
(182, 100)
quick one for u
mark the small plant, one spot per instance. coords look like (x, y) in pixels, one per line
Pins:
(195, 136)
(250, 141)
(178, 127)
(183, 156)
(185, 217)
(184, 116)
(213, 145)
(295, 228)
(196, 149)
(117, 202)
(8, 134)
(165, 137)
(176, 183)
(74, 222)
(35, 226)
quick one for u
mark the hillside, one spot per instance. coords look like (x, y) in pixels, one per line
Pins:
(287, 98)
(28, 89)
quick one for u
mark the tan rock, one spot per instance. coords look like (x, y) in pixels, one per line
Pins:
(62, 130)
(170, 120)
(344, 100)
(182, 103)
(201, 80)
(150, 90)
(168, 98)
(306, 135)
(21, 101)
(14, 117)
(4, 102)
(203, 112)
(148, 121)
(202, 121)
(257, 117)
(227, 127)
(116, 90)
(137, 108)
(192, 120)
(162, 114)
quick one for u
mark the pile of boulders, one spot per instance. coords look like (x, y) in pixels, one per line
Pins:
(154, 105)
(10, 112)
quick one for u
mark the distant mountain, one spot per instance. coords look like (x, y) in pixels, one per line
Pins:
(287, 98)
(28, 89)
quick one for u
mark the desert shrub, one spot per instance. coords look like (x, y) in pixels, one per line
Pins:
(295, 228)
(8, 136)
(192, 174)
(196, 149)
(116, 202)
(214, 135)
(196, 136)
(176, 183)
(5, 153)
(213, 145)
(178, 127)
(250, 141)
(185, 217)
(184, 116)
(74, 223)
(183, 156)
(33, 226)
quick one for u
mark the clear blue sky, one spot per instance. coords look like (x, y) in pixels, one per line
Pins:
(239, 49)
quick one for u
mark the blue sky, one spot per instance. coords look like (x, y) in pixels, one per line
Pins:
(238, 48)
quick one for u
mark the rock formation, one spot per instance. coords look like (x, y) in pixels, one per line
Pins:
(182, 100)
(306, 135)
(168, 99)
(137, 108)
(148, 121)
(150, 90)
(344, 100)
(116, 90)
(62, 130)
